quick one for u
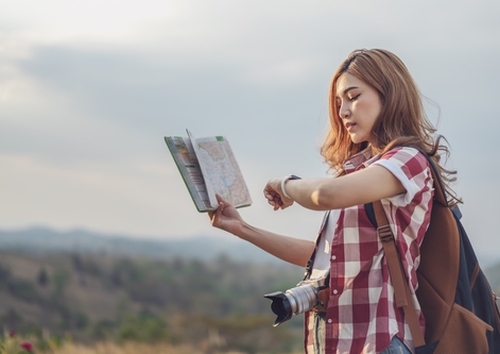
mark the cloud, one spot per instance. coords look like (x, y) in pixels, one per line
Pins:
(92, 195)
(89, 89)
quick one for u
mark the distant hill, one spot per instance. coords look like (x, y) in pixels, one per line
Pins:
(40, 239)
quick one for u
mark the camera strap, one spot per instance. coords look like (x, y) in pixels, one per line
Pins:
(310, 262)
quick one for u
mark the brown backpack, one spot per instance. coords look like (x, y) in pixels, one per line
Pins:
(459, 306)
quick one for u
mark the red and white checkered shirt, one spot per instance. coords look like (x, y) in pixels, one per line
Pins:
(362, 316)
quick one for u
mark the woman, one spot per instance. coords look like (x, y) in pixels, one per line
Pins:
(376, 120)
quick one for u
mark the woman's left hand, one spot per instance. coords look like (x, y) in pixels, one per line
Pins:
(274, 195)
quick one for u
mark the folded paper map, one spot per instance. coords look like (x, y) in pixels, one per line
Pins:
(208, 167)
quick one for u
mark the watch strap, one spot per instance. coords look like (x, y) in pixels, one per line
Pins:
(283, 183)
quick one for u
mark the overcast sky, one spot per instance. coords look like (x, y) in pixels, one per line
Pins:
(89, 88)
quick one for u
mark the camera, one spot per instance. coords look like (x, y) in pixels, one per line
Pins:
(307, 295)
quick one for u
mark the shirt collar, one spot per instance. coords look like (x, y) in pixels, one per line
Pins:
(360, 160)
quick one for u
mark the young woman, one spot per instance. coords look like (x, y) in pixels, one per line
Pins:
(376, 120)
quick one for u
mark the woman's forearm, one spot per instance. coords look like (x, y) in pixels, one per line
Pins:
(292, 250)
(361, 187)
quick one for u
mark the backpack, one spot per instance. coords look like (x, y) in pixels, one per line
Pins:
(459, 306)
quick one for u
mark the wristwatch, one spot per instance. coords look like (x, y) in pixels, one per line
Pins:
(283, 182)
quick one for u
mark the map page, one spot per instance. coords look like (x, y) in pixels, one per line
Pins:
(187, 163)
(221, 171)
(208, 167)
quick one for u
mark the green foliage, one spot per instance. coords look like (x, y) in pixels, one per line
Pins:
(11, 317)
(61, 278)
(145, 327)
(101, 330)
(216, 305)
(11, 343)
(4, 274)
(42, 277)
(35, 341)
(23, 289)
(240, 332)
(124, 272)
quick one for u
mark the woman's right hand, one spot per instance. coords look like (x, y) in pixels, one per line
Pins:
(226, 217)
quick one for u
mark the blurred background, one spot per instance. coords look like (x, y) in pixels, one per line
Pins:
(99, 239)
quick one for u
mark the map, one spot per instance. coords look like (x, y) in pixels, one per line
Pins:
(221, 171)
(208, 167)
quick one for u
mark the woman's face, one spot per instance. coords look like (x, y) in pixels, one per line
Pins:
(358, 106)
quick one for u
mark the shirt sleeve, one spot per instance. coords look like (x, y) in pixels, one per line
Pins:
(411, 168)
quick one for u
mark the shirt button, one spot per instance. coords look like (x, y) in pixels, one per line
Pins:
(334, 257)
(335, 291)
(330, 320)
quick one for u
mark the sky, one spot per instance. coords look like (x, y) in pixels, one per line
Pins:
(88, 90)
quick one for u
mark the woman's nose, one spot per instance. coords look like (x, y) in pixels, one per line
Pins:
(344, 112)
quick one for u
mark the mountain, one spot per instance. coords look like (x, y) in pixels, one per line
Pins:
(41, 239)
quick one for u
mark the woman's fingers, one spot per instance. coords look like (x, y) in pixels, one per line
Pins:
(215, 216)
(273, 194)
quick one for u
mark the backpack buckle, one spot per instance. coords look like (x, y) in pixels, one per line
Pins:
(384, 233)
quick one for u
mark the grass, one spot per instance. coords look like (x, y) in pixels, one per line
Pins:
(127, 348)
(12, 343)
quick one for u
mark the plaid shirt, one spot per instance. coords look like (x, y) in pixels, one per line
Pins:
(362, 316)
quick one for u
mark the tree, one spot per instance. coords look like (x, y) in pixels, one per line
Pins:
(43, 277)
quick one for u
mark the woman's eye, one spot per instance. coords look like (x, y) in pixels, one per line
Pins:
(353, 98)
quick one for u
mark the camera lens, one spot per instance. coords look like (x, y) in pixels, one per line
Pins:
(280, 305)
(302, 298)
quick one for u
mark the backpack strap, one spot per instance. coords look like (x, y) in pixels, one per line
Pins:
(401, 288)
(439, 190)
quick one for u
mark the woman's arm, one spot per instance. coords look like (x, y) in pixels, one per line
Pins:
(292, 250)
(360, 187)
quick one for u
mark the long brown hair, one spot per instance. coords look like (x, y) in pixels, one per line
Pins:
(402, 120)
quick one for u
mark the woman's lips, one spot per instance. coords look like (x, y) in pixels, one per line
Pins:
(349, 126)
